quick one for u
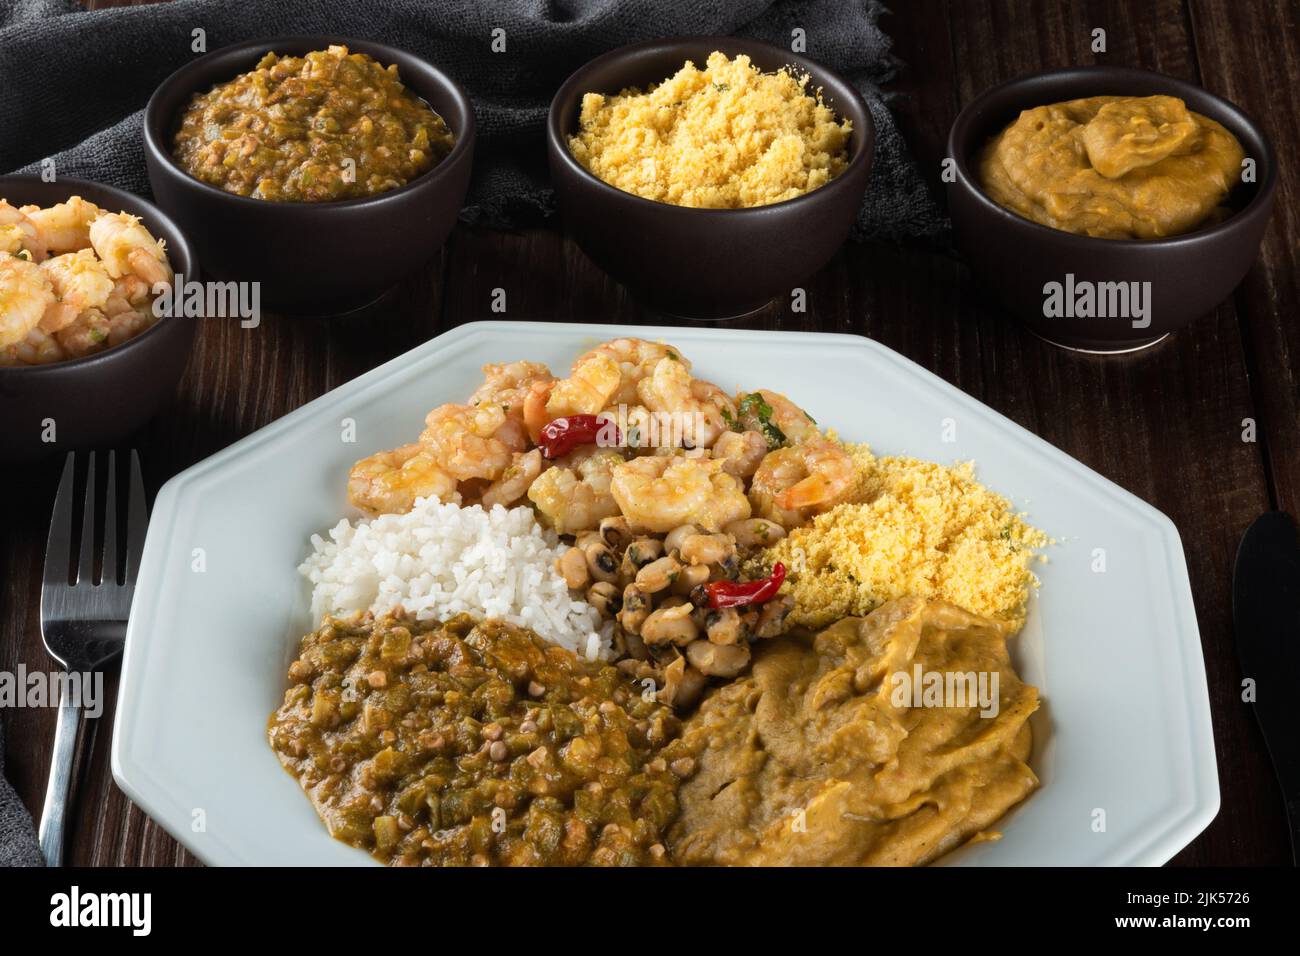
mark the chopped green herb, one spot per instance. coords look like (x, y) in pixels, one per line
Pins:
(774, 436)
(755, 404)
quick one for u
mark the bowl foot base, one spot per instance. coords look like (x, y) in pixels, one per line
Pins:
(681, 316)
(337, 309)
(1119, 348)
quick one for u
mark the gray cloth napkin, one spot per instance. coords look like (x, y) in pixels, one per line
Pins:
(18, 845)
(75, 82)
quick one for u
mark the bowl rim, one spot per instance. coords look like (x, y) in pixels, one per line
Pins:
(557, 145)
(1258, 205)
(464, 138)
(150, 209)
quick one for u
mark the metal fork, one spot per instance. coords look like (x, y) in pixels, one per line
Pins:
(83, 623)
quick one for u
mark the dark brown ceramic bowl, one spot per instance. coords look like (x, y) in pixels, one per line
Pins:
(1016, 258)
(704, 263)
(318, 258)
(98, 400)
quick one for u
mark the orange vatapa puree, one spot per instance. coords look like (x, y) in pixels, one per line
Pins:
(1113, 167)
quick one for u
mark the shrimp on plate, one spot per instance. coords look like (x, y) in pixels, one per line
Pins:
(635, 358)
(388, 482)
(473, 441)
(777, 418)
(509, 384)
(574, 495)
(515, 480)
(589, 388)
(740, 452)
(796, 482)
(662, 493)
(699, 410)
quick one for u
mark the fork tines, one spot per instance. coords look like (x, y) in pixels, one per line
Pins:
(64, 535)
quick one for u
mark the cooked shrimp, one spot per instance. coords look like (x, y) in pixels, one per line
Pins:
(779, 470)
(831, 477)
(18, 232)
(574, 495)
(740, 452)
(127, 248)
(535, 415)
(791, 484)
(587, 390)
(515, 481)
(26, 294)
(81, 284)
(65, 227)
(129, 293)
(128, 324)
(472, 441)
(86, 334)
(636, 358)
(776, 417)
(38, 347)
(388, 482)
(508, 385)
(640, 426)
(663, 493)
(694, 405)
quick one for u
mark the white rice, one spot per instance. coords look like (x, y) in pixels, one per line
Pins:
(440, 560)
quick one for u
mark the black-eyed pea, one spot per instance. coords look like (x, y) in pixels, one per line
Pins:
(771, 619)
(658, 575)
(755, 532)
(690, 577)
(605, 598)
(707, 549)
(673, 541)
(644, 550)
(615, 531)
(636, 608)
(723, 626)
(671, 625)
(718, 660)
(573, 568)
(601, 562)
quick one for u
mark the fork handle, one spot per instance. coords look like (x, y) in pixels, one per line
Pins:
(55, 812)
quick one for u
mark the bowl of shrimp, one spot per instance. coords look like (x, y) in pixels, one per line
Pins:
(86, 356)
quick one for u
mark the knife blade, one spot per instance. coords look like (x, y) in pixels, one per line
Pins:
(1266, 620)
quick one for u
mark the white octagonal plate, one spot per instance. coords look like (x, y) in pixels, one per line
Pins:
(219, 607)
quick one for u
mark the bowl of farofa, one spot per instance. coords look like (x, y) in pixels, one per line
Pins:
(695, 243)
(1119, 292)
(311, 255)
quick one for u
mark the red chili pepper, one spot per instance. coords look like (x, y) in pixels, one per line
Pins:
(730, 594)
(561, 436)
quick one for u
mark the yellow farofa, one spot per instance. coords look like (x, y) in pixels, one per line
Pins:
(918, 528)
(725, 137)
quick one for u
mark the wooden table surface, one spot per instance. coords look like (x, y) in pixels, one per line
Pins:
(1166, 424)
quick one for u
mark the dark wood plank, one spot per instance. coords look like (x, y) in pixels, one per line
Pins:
(1165, 424)
(1263, 84)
